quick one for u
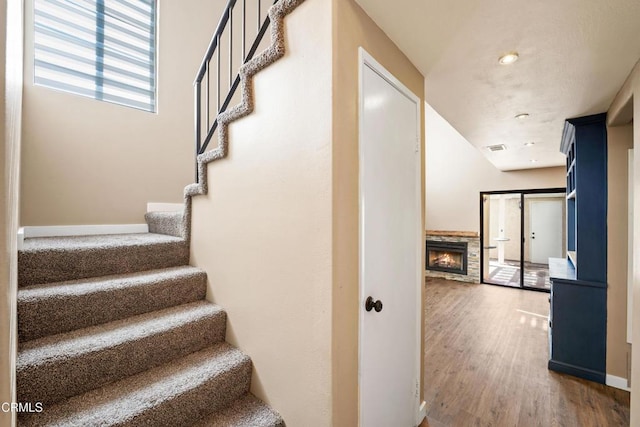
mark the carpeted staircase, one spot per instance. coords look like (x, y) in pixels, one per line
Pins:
(115, 330)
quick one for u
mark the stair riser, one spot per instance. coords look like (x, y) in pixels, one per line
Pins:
(59, 379)
(246, 411)
(169, 223)
(61, 265)
(188, 408)
(54, 314)
(181, 409)
(172, 408)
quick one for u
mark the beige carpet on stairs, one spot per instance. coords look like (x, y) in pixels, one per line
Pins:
(140, 347)
(116, 331)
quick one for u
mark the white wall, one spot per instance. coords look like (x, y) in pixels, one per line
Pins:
(457, 172)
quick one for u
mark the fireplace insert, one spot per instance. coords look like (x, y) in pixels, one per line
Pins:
(450, 257)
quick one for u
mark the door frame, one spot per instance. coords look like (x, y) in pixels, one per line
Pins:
(522, 238)
(366, 60)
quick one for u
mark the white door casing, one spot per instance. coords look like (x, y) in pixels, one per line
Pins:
(630, 258)
(391, 239)
(546, 230)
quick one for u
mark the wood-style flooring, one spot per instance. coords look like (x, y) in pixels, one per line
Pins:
(486, 364)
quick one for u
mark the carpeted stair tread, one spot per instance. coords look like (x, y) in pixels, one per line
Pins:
(98, 241)
(59, 366)
(248, 411)
(59, 307)
(179, 393)
(186, 390)
(169, 223)
(57, 259)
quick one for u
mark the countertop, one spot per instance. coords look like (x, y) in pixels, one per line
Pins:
(561, 268)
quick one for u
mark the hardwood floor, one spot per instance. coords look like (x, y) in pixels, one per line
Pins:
(486, 364)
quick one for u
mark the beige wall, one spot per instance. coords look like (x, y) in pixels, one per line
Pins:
(511, 229)
(625, 107)
(353, 28)
(5, 298)
(263, 233)
(619, 141)
(457, 172)
(11, 48)
(277, 233)
(635, 355)
(91, 162)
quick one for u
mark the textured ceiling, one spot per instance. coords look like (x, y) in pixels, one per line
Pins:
(574, 57)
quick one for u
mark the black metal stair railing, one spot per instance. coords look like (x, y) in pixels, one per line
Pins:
(208, 95)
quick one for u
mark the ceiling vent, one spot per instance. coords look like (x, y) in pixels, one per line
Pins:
(498, 147)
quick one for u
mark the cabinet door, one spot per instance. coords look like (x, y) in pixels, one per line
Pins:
(578, 343)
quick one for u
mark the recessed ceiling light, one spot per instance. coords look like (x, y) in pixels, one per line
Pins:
(533, 160)
(529, 144)
(509, 58)
(522, 116)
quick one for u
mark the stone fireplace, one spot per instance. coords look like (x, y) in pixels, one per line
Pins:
(453, 255)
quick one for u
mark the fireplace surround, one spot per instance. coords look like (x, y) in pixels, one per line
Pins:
(472, 240)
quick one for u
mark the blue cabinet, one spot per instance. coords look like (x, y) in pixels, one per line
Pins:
(578, 316)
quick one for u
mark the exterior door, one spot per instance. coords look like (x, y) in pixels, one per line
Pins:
(546, 231)
(390, 249)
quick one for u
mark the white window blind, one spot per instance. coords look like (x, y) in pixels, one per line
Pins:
(103, 49)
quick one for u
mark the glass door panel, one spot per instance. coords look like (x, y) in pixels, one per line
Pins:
(501, 223)
(544, 236)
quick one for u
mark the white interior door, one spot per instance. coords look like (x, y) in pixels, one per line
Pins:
(390, 249)
(546, 230)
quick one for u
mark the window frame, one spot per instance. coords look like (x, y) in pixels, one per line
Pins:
(101, 49)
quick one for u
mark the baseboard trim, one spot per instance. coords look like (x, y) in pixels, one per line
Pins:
(20, 238)
(165, 207)
(577, 371)
(422, 413)
(617, 382)
(78, 230)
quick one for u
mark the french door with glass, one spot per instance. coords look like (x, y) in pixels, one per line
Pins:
(520, 231)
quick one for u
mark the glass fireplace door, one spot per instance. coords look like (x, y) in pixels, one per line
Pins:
(448, 257)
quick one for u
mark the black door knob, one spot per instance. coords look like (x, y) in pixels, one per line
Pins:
(371, 304)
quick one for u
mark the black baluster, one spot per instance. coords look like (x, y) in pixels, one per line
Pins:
(230, 45)
(218, 79)
(244, 18)
(206, 104)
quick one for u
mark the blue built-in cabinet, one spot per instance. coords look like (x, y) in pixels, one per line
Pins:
(578, 315)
